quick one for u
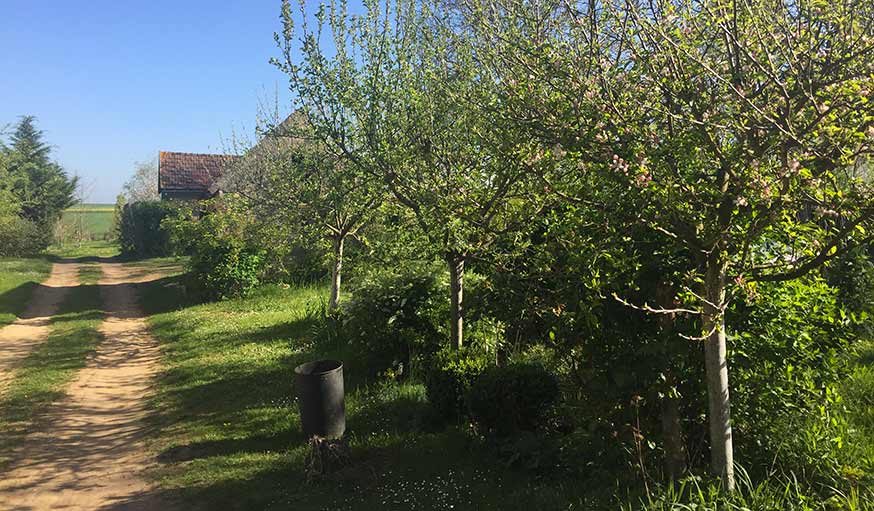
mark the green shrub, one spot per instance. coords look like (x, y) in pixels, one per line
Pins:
(20, 237)
(450, 376)
(397, 319)
(513, 398)
(140, 230)
(226, 258)
(226, 269)
(787, 358)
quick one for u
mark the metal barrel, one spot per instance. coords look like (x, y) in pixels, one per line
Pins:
(322, 398)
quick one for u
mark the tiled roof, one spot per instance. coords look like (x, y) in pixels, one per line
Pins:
(191, 172)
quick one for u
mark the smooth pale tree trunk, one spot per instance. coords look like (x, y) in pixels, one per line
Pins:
(336, 274)
(456, 291)
(719, 404)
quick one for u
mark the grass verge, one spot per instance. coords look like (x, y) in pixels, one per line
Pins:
(42, 376)
(18, 278)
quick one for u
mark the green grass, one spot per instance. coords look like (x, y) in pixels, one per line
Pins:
(229, 427)
(18, 279)
(41, 377)
(86, 250)
(87, 221)
(92, 207)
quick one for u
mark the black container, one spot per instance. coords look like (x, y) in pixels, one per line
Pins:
(322, 398)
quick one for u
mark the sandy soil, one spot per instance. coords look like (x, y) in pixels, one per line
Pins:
(91, 454)
(32, 328)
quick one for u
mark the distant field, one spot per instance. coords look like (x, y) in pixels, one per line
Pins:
(94, 221)
(91, 207)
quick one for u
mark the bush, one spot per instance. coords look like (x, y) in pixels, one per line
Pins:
(449, 379)
(513, 398)
(226, 260)
(140, 231)
(225, 269)
(397, 319)
(788, 358)
(21, 237)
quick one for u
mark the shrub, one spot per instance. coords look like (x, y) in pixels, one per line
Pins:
(226, 258)
(788, 358)
(20, 237)
(225, 269)
(450, 376)
(513, 398)
(140, 230)
(396, 319)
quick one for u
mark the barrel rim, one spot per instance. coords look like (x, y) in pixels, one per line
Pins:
(336, 365)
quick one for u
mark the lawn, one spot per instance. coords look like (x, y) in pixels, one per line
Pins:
(18, 278)
(229, 427)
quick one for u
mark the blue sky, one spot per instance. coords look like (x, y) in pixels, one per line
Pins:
(114, 82)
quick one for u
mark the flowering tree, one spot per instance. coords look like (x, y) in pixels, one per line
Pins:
(739, 127)
(403, 99)
(289, 176)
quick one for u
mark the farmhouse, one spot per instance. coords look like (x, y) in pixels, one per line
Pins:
(191, 176)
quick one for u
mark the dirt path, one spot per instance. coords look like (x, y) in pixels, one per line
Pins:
(90, 455)
(32, 328)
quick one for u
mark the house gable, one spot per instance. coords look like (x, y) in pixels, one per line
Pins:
(190, 176)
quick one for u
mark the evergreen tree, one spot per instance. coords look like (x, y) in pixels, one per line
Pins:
(42, 186)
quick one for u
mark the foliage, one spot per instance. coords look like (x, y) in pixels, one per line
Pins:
(42, 187)
(679, 109)
(21, 237)
(142, 186)
(788, 357)
(141, 232)
(394, 318)
(226, 257)
(513, 398)
(432, 140)
(290, 178)
(450, 376)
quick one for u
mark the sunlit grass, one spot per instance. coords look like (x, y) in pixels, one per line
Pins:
(85, 249)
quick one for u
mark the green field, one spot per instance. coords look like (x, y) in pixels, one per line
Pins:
(86, 222)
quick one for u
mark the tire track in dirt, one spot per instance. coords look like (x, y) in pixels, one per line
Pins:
(33, 326)
(91, 455)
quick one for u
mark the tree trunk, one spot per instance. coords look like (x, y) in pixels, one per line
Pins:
(672, 425)
(721, 448)
(336, 274)
(672, 430)
(456, 290)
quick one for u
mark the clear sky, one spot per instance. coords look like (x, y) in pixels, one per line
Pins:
(112, 82)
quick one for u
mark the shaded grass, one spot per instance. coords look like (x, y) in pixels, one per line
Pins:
(229, 426)
(42, 376)
(18, 278)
